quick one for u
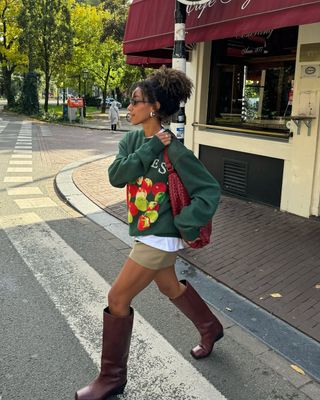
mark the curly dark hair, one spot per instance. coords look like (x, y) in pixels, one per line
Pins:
(168, 86)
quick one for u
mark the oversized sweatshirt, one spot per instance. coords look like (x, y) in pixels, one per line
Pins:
(140, 165)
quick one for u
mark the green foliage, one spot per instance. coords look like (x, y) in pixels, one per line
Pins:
(115, 26)
(47, 36)
(60, 39)
(50, 116)
(10, 57)
(29, 102)
(92, 101)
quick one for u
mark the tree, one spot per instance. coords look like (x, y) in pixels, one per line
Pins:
(29, 100)
(114, 27)
(47, 36)
(101, 58)
(100, 55)
(10, 57)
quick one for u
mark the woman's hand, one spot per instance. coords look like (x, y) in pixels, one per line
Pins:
(165, 137)
(189, 242)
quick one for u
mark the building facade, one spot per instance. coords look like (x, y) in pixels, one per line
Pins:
(254, 117)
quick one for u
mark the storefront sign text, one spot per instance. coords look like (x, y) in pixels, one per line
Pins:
(200, 8)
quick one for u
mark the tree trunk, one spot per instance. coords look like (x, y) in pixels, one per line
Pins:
(46, 92)
(8, 92)
(104, 96)
(104, 91)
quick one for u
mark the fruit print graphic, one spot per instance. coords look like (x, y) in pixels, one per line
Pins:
(131, 191)
(143, 223)
(152, 215)
(144, 200)
(141, 203)
(159, 187)
(141, 193)
(153, 205)
(146, 185)
(132, 209)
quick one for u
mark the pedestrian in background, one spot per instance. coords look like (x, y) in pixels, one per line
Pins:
(158, 236)
(114, 115)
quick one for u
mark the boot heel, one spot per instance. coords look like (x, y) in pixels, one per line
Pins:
(118, 390)
(220, 336)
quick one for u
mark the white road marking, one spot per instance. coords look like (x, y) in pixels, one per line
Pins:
(35, 202)
(22, 147)
(14, 179)
(21, 156)
(21, 191)
(22, 151)
(19, 169)
(157, 370)
(20, 162)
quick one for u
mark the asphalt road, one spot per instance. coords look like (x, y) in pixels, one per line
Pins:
(56, 268)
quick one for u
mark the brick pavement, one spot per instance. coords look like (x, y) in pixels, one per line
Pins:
(256, 251)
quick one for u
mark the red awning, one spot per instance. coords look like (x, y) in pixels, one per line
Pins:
(148, 61)
(150, 25)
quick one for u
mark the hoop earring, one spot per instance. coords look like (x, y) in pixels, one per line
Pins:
(152, 114)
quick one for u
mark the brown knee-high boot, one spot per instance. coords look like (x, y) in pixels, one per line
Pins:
(194, 308)
(115, 350)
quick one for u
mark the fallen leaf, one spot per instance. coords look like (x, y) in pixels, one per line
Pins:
(318, 286)
(276, 295)
(297, 369)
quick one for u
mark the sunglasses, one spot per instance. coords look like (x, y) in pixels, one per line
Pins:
(134, 102)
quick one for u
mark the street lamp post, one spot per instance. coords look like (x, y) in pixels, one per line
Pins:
(85, 75)
(179, 58)
(179, 63)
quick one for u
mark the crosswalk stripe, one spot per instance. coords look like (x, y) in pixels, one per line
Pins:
(22, 191)
(20, 162)
(66, 277)
(17, 179)
(35, 202)
(21, 156)
(19, 169)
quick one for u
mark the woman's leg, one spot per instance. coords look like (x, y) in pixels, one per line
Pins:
(117, 328)
(168, 284)
(132, 279)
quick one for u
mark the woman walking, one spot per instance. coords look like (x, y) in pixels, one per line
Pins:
(114, 115)
(140, 166)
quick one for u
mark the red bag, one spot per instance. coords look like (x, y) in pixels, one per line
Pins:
(180, 198)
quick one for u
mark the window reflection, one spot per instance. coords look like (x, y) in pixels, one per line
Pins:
(251, 83)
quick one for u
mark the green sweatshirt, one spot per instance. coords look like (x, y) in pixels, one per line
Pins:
(140, 165)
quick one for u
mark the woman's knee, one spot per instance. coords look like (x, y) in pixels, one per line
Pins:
(116, 300)
(170, 290)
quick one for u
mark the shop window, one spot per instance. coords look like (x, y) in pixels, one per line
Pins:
(251, 80)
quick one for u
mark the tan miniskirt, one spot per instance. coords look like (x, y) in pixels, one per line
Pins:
(152, 258)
